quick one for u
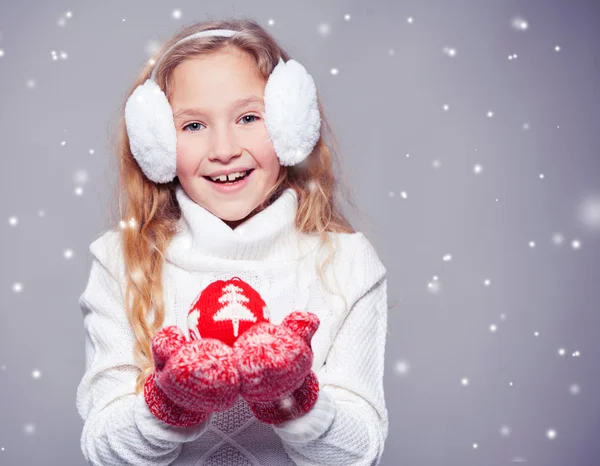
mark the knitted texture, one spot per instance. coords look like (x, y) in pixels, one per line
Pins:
(300, 402)
(225, 309)
(167, 411)
(348, 424)
(273, 361)
(198, 376)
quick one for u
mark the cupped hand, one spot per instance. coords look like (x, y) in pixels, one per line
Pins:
(274, 360)
(198, 375)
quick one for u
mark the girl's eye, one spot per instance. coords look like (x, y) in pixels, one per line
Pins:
(250, 116)
(195, 123)
(195, 130)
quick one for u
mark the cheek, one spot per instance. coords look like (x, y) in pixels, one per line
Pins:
(261, 148)
(186, 156)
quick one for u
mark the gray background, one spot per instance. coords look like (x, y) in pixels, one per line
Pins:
(386, 101)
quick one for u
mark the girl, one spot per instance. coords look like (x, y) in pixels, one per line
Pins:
(229, 100)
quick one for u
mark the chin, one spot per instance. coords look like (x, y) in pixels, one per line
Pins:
(234, 216)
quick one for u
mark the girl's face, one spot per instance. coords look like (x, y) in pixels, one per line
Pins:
(218, 132)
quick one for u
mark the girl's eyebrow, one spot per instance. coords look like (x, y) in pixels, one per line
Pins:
(236, 104)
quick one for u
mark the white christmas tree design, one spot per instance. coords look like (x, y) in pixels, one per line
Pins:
(234, 309)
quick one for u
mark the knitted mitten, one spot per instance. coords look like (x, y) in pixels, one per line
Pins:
(274, 363)
(190, 379)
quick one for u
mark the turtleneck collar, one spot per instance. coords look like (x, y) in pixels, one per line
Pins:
(269, 235)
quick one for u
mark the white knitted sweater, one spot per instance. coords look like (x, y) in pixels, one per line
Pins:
(349, 423)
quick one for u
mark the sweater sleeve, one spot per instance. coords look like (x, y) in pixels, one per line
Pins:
(349, 423)
(119, 429)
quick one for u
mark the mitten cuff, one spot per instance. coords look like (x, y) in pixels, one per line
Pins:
(297, 404)
(167, 411)
(310, 426)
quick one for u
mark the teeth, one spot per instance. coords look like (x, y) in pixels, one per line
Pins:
(230, 177)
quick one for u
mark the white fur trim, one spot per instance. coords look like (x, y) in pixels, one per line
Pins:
(151, 131)
(291, 113)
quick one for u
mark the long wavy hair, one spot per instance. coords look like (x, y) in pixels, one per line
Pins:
(150, 211)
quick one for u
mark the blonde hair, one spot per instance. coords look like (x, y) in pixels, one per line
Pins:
(156, 211)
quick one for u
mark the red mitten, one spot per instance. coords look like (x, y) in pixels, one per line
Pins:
(190, 379)
(274, 363)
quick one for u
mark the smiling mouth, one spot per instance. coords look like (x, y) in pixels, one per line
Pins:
(237, 180)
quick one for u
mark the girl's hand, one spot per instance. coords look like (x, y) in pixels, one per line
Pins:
(274, 363)
(198, 376)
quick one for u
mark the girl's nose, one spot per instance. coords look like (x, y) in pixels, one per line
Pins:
(224, 144)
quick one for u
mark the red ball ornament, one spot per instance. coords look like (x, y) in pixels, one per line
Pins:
(225, 309)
